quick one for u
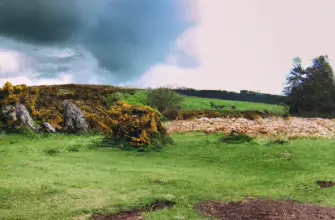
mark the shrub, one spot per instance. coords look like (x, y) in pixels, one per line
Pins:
(172, 114)
(136, 126)
(279, 140)
(252, 115)
(74, 147)
(236, 138)
(114, 97)
(52, 151)
(164, 98)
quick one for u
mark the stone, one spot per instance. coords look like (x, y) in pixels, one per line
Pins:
(17, 115)
(74, 120)
(23, 117)
(48, 127)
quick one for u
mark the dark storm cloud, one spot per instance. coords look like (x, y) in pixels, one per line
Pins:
(39, 21)
(125, 36)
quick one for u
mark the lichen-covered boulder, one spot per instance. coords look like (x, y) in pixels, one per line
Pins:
(23, 117)
(17, 115)
(74, 120)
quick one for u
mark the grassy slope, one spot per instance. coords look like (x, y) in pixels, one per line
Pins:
(197, 103)
(38, 185)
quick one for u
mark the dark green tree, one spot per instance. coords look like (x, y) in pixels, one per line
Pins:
(164, 99)
(311, 89)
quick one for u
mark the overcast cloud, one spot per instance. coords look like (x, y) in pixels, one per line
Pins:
(208, 44)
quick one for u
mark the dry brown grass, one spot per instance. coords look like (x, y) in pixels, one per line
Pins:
(292, 127)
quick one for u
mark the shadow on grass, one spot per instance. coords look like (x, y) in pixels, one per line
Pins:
(236, 139)
(52, 151)
(157, 144)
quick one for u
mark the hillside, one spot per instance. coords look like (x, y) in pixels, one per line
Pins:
(95, 107)
(79, 108)
(243, 95)
(198, 103)
(45, 103)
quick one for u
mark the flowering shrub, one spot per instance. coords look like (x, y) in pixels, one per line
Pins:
(136, 126)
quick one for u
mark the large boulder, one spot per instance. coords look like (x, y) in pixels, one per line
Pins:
(24, 118)
(74, 120)
(17, 115)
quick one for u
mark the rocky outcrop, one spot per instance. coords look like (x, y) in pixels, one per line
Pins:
(74, 120)
(17, 115)
(24, 118)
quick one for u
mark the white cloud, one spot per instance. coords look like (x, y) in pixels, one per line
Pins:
(62, 79)
(247, 44)
(22, 63)
(10, 61)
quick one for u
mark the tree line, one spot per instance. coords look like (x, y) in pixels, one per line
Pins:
(244, 95)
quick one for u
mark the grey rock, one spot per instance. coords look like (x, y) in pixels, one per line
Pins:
(48, 127)
(74, 120)
(19, 115)
(23, 117)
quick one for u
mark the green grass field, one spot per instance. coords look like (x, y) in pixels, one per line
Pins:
(197, 103)
(63, 176)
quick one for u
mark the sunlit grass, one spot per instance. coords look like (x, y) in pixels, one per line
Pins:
(62, 176)
(197, 103)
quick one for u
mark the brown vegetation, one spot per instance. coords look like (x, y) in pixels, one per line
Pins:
(290, 127)
(195, 114)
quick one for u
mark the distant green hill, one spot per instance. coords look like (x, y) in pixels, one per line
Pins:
(197, 103)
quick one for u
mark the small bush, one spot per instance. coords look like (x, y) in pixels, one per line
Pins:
(74, 147)
(136, 126)
(52, 151)
(114, 97)
(28, 132)
(172, 114)
(252, 115)
(236, 138)
(164, 98)
(279, 140)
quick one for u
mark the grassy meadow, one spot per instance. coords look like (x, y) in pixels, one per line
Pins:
(63, 176)
(197, 103)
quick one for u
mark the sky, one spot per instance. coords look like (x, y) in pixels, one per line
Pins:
(203, 44)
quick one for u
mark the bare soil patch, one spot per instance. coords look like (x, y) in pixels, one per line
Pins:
(325, 184)
(135, 214)
(265, 209)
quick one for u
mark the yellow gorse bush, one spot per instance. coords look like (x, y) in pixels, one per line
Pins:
(137, 125)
